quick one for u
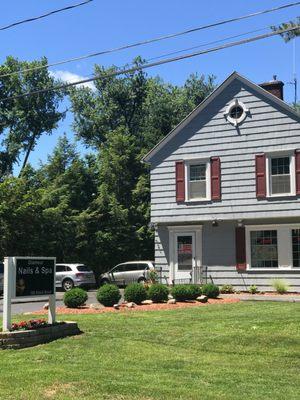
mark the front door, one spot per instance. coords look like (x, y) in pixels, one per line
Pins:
(184, 256)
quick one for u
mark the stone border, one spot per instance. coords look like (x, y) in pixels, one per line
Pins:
(34, 337)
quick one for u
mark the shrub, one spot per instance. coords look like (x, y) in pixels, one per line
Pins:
(75, 298)
(158, 292)
(180, 292)
(153, 276)
(280, 285)
(227, 289)
(135, 292)
(108, 295)
(194, 291)
(253, 289)
(211, 290)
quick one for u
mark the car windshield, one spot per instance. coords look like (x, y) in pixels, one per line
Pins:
(83, 268)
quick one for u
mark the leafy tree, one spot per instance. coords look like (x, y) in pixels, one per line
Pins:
(287, 36)
(24, 119)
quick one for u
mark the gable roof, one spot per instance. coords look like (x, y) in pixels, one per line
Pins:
(233, 76)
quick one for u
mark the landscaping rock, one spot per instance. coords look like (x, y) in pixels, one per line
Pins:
(171, 301)
(202, 299)
(46, 306)
(116, 306)
(96, 306)
(147, 302)
(170, 297)
(131, 304)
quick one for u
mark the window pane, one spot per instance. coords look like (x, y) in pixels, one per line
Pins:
(198, 190)
(264, 253)
(280, 175)
(185, 252)
(198, 172)
(83, 268)
(281, 184)
(280, 165)
(296, 247)
(236, 112)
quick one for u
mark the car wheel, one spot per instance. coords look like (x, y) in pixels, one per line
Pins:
(104, 282)
(142, 281)
(67, 285)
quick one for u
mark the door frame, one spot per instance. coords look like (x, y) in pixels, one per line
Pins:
(174, 231)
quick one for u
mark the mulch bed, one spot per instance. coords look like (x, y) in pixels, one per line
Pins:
(151, 307)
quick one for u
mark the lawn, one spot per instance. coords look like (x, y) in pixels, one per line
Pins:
(234, 351)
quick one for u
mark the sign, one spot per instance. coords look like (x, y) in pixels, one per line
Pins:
(28, 277)
(34, 277)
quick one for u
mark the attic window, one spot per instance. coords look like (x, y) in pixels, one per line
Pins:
(236, 112)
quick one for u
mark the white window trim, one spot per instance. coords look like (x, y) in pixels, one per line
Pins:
(284, 246)
(187, 165)
(234, 121)
(291, 155)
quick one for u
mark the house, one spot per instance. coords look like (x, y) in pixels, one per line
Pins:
(225, 189)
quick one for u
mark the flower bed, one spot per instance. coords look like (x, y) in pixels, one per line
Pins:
(29, 325)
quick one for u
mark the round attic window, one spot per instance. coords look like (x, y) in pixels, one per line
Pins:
(236, 112)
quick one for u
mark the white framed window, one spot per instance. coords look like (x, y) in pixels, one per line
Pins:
(197, 180)
(236, 112)
(281, 174)
(273, 247)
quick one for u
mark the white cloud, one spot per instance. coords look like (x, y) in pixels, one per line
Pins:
(69, 77)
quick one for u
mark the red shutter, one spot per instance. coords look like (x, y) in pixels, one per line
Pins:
(215, 180)
(240, 248)
(180, 184)
(297, 171)
(260, 170)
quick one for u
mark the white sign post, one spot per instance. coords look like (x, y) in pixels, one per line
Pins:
(28, 277)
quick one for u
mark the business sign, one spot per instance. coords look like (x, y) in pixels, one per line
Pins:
(28, 277)
(34, 277)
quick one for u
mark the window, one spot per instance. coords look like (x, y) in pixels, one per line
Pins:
(60, 268)
(198, 176)
(184, 252)
(236, 112)
(280, 175)
(83, 268)
(296, 247)
(264, 253)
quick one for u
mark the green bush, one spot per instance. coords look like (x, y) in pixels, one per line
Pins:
(108, 295)
(194, 291)
(180, 292)
(158, 292)
(210, 290)
(253, 289)
(227, 289)
(75, 298)
(135, 292)
(280, 285)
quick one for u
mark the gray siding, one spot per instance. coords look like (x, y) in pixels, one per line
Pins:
(267, 128)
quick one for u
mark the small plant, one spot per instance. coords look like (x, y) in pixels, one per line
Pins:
(29, 325)
(135, 292)
(227, 289)
(153, 276)
(280, 285)
(75, 298)
(194, 291)
(108, 295)
(158, 293)
(253, 289)
(210, 290)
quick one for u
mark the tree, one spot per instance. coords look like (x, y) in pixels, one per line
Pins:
(287, 36)
(24, 119)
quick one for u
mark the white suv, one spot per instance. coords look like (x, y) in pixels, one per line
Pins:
(71, 275)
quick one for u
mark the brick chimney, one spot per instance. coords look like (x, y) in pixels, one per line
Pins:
(274, 87)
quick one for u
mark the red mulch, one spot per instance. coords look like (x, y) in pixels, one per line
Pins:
(151, 307)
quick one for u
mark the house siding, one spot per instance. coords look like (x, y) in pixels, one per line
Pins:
(267, 128)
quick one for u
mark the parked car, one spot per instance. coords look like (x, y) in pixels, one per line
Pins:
(1, 277)
(72, 275)
(128, 272)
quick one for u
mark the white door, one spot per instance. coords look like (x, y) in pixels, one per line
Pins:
(184, 248)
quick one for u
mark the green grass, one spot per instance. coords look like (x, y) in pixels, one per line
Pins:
(237, 351)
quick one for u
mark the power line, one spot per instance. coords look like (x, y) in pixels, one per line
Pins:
(157, 39)
(154, 64)
(24, 21)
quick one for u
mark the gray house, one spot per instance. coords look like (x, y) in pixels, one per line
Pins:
(225, 189)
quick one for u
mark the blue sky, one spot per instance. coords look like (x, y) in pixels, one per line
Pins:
(106, 24)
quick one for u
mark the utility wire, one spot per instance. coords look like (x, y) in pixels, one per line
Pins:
(157, 39)
(154, 64)
(24, 21)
